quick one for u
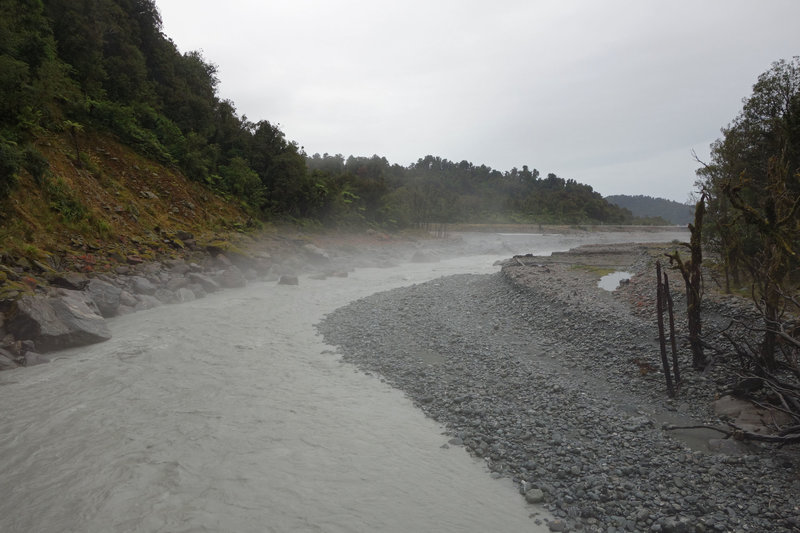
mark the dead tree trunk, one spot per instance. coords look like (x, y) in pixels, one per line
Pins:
(692, 277)
(662, 341)
(671, 314)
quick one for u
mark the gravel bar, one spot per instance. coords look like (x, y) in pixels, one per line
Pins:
(544, 376)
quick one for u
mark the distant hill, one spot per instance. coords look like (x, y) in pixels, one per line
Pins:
(647, 206)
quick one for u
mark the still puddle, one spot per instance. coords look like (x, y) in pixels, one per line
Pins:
(610, 282)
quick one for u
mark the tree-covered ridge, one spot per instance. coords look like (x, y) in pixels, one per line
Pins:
(434, 189)
(70, 67)
(646, 206)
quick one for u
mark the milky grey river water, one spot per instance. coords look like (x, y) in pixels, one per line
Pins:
(230, 414)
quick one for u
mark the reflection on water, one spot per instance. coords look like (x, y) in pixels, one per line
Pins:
(610, 282)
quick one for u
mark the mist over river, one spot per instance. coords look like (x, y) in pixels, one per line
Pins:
(229, 414)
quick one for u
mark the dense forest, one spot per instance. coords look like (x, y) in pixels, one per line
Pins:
(750, 212)
(670, 211)
(78, 67)
(438, 190)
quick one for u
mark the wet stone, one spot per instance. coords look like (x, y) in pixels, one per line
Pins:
(562, 421)
(534, 496)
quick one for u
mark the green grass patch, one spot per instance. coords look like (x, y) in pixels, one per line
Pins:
(596, 270)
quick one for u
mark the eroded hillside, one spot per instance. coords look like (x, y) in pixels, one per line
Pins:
(101, 205)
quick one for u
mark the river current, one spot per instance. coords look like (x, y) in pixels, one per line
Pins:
(229, 414)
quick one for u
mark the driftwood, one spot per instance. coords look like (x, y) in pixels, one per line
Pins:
(777, 389)
(787, 436)
(700, 426)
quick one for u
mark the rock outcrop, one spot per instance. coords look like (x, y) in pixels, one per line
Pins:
(68, 319)
(71, 311)
(105, 295)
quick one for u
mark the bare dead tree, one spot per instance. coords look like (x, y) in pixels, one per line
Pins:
(662, 342)
(693, 279)
(672, 338)
(776, 389)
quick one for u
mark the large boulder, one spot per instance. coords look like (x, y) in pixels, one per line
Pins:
(231, 278)
(176, 282)
(222, 261)
(66, 320)
(33, 359)
(105, 295)
(424, 256)
(185, 295)
(165, 296)
(142, 285)
(225, 259)
(124, 309)
(128, 299)
(70, 280)
(316, 255)
(208, 284)
(197, 290)
(179, 267)
(145, 302)
(262, 263)
(7, 361)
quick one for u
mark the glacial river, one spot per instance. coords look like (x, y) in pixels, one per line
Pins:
(229, 414)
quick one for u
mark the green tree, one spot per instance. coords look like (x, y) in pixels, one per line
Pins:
(753, 185)
(243, 182)
(33, 87)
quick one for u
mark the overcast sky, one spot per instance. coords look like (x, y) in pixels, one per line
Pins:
(611, 93)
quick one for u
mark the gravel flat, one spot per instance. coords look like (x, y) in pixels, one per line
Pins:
(554, 383)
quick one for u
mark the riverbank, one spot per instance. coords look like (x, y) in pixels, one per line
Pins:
(229, 413)
(555, 383)
(54, 304)
(54, 301)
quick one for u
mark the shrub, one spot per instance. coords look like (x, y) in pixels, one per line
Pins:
(9, 166)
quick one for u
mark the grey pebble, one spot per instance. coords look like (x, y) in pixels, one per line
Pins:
(555, 402)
